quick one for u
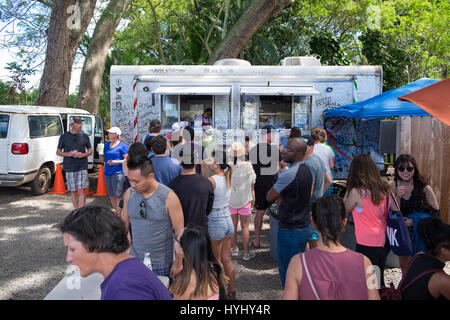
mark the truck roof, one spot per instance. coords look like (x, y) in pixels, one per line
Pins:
(40, 109)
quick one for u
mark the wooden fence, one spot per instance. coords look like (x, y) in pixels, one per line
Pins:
(428, 141)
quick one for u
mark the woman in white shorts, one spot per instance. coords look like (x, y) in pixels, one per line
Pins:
(220, 225)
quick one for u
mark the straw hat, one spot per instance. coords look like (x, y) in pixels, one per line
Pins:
(237, 149)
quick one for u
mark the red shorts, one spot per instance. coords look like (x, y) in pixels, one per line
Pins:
(244, 211)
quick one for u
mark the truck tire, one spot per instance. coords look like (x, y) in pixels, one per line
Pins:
(41, 182)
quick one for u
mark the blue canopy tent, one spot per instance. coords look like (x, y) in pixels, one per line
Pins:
(384, 105)
(355, 128)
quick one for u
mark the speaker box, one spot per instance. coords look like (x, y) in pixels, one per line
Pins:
(388, 136)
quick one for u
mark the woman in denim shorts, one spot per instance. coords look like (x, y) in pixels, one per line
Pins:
(220, 225)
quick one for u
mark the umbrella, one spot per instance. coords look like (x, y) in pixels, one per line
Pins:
(434, 99)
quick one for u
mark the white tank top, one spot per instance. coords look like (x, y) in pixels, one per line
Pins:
(221, 193)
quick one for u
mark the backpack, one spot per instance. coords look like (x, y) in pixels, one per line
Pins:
(392, 293)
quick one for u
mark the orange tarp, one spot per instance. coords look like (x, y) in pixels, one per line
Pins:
(434, 99)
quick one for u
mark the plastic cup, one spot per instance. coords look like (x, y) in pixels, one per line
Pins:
(101, 147)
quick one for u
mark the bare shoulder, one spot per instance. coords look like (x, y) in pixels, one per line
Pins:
(171, 197)
(428, 189)
(439, 285)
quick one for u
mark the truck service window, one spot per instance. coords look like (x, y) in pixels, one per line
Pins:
(193, 106)
(275, 111)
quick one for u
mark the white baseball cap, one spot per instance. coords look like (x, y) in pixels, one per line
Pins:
(115, 130)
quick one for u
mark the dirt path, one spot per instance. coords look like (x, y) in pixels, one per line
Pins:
(33, 255)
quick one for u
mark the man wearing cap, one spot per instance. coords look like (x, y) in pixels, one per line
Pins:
(154, 129)
(75, 147)
(265, 158)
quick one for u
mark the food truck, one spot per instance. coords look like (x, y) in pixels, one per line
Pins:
(242, 98)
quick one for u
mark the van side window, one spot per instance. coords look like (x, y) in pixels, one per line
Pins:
(4, 120)
(44, 126)
(98, 130)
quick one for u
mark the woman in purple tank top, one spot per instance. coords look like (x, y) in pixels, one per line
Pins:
(330, 271)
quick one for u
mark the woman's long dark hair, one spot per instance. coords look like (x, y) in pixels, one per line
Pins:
(198, 258)
(418, 180)
(364, 174)
(328, 214)
(435, 234)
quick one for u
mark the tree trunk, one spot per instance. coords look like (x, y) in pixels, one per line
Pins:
(253, 18)
(68, 22)
(94, 65)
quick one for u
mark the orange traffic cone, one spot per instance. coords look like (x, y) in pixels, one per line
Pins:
(59, 187)
(101, 185)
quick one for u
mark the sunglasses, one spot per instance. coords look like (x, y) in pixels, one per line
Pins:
(409, 169)
(143, 211)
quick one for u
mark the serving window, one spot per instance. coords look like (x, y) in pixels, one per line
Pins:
(282, 112)
(189, 107)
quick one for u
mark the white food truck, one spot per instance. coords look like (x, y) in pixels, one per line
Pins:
(243, 98)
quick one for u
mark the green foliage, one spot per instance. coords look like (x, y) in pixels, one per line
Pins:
(411, 42)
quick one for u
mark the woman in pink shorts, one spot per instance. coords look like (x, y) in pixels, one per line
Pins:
(242, 198)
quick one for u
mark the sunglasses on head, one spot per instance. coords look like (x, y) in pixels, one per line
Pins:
(143, 211)
(409, 169)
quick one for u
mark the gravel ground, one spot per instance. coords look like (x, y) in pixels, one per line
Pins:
(33, 254)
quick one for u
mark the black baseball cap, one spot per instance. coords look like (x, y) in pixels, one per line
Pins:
(267, 129)
(308, 139)
(154, 123)
(77, 119)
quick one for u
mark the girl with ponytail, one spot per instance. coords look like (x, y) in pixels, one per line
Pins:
(220, 225)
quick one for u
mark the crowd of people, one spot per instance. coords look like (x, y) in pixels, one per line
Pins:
(180, 201)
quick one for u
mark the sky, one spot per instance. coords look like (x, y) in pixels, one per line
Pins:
(7, 55)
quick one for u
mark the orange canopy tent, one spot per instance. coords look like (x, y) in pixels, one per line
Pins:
(434, 99)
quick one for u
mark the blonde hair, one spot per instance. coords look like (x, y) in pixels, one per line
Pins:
(315, 134)
(323, 135)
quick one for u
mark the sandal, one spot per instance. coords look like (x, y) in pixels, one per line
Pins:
(248, 256)
(234, 252)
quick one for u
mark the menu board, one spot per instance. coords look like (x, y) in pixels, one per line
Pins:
(302, 113)
(250, 114)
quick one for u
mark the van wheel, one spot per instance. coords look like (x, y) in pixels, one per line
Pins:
(41, 182)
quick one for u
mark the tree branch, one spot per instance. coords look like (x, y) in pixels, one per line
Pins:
(158, 32)
(46, 3)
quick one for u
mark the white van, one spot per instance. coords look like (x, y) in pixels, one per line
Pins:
(29, 137)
